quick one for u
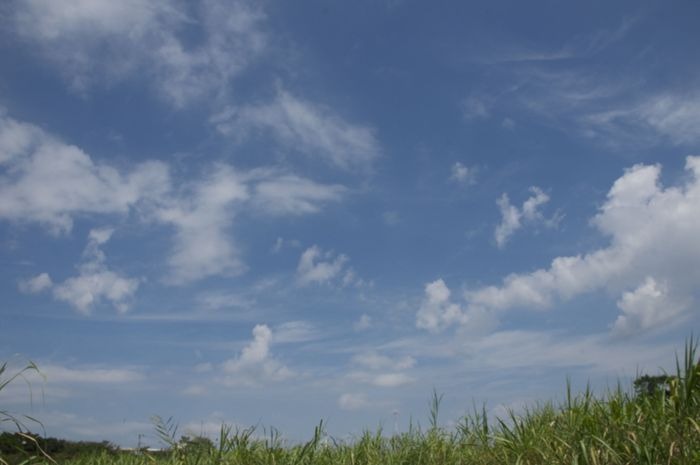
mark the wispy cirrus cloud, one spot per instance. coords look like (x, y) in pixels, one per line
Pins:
(302, 126)
(289, 194)
(613, 113)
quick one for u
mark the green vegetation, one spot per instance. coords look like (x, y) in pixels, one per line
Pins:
(658, 424)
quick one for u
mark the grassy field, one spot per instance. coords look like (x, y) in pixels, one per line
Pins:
(659, 426)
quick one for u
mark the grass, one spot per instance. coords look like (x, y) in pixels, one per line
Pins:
(662, 427)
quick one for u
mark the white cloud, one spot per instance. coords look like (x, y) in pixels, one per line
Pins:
(306, 127)
(205, 367)
(17, 139)
(36, 284)
(375, 361)
(508, 123)
(463, 174)
(392, 380)
(62, 375)
(365, 322)
(646, 307)
(219, 300)
(383, 379)
(202, 218)
(294, 331)
(381, 370)
(437, 311)
(46, 181)
(351, 401)
(93, 41)
(255, 365)
(618, 114)
(512, 218)
(518, 350)
(391, 218)
(662, 117)
(95, 281)
(312, 268)
(89, 288)
(49, 20)
(653, 232)
(289, 194)
(350, 278)
(675, 116)
(281, 243)
(50, 182)
(476, 108)
(195, 390)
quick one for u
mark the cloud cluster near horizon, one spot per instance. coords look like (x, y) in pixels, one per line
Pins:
(650, 261)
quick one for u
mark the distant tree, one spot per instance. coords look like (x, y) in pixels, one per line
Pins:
(648, 385)
(201, 443)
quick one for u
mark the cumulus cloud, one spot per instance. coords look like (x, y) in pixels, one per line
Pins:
(204, 215)
(89, 288)
(104, 41)
(437, 310)
(96, 282)
(306, 127)
(463, 174)
(653, 250)
(37, 284)
(319, 267)
(48, 181)
(513, 218)
(648, 306)
(255, 364)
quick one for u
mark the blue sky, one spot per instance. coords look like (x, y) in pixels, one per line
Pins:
(272, 213)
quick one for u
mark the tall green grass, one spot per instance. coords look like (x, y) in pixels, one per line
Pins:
(617, 428)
